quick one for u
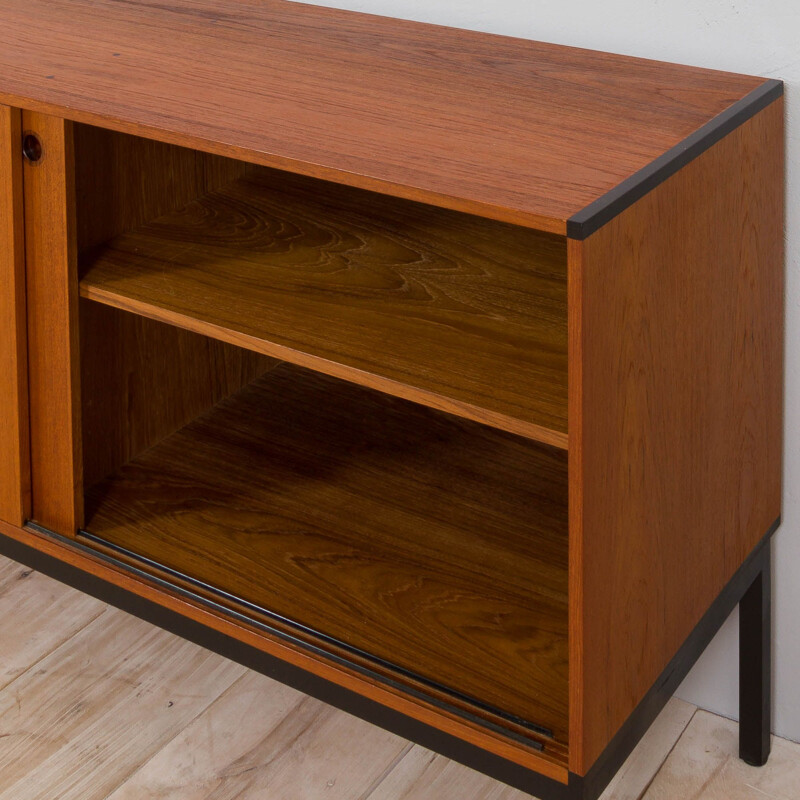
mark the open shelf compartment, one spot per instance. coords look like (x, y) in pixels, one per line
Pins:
(423, 303)
(321, 421)
(397, 533)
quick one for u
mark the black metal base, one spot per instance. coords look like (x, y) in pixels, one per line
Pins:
(755, 666)
(750, 586)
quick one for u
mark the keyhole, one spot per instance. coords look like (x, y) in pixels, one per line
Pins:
(32, 147)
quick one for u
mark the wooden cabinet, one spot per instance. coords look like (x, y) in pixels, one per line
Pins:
(435, 373)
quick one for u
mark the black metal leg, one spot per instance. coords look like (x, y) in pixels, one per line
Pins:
(755, 666)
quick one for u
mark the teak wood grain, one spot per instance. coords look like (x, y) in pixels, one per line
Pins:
(412, 539)
(142, 380)
(391, 528)
(676, 416)
(419, 302)
(14, 445)
(123, 181)
(454, 118)
(52, 295)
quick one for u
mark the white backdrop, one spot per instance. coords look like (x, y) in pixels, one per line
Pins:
(759, 37)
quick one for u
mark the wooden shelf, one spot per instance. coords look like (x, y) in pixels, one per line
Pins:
(423, 303)
(399, 531)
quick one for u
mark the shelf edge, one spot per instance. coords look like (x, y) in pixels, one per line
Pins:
(494, 419)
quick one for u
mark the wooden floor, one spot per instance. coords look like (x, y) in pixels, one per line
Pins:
(95, 704)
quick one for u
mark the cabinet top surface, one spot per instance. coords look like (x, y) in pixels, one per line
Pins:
(512, 129)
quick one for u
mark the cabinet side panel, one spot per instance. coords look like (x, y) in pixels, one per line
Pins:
(677, 443)
(14, 446)
(52, 284)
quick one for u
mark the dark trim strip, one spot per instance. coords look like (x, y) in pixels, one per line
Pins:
(222, 600)
(605, 208)
(628, 736)
(446, 744)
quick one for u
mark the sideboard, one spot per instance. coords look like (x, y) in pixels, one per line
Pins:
(435, 373)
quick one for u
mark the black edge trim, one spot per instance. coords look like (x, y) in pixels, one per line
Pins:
(632, 730)
(605, 208)
(396, 722)
(223, 596)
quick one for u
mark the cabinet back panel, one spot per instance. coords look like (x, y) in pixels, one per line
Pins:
(141, 380)
(122, 181)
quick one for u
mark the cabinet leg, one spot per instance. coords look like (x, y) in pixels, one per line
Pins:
(755, 666)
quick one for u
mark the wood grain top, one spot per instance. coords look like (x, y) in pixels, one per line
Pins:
(284, 504)
(516, 130)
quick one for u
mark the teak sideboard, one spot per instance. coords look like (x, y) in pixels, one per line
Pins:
(435, 373)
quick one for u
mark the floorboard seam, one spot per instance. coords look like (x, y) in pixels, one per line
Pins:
(48, 653)
(667, 755)
(178, 733)
(370, 790)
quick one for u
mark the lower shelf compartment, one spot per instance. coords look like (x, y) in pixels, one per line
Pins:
(433, 547)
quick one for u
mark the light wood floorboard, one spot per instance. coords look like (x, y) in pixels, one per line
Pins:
(423, 775)
(75, 725)
(260, 734)
(97, 705)
(637, 773)
(705, 766)
(26, 599)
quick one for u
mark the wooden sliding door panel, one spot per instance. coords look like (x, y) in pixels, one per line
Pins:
(52, 282)
(14, 445)
(675, 426)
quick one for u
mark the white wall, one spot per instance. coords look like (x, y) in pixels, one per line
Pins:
(759, 37)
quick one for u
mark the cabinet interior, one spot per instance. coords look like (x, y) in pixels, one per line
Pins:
(340, 414)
